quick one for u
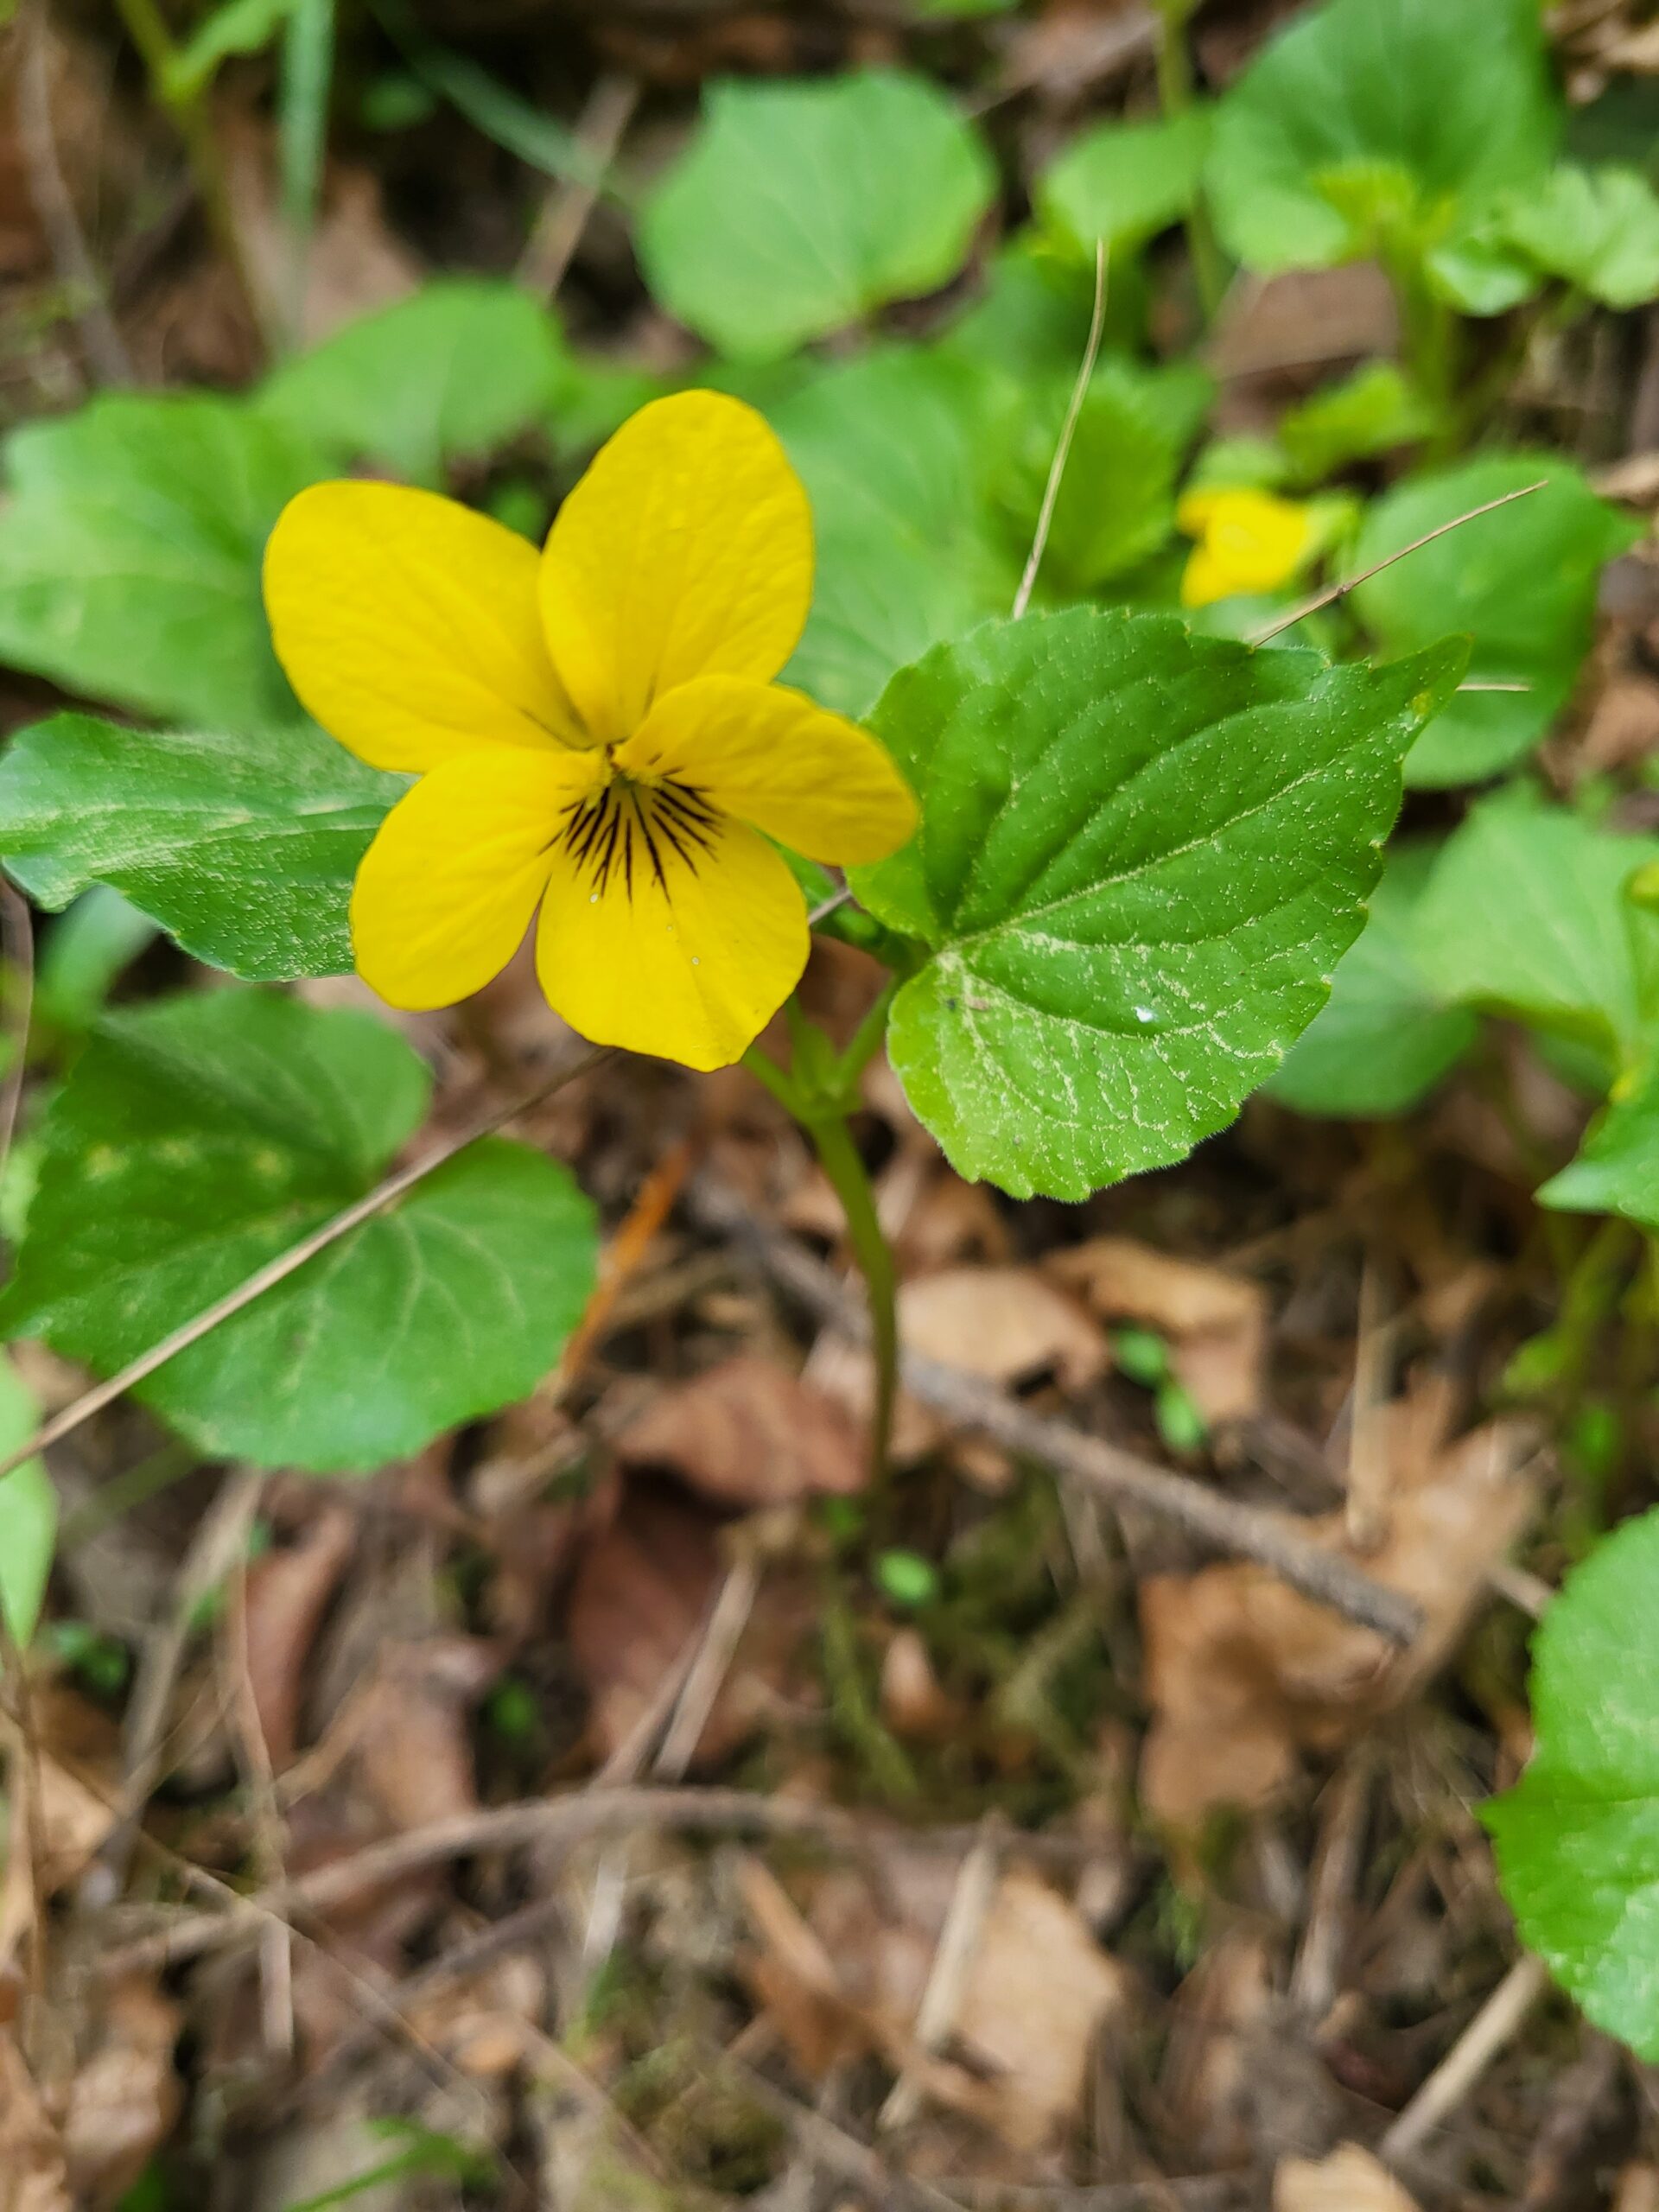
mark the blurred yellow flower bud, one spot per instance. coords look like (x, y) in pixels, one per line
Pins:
(1248, 541)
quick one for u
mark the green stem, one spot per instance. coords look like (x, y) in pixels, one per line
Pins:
(307, 75)
(849, 1178)
(1175, 94)
(850, 1706)
(1431, 340)
(194, 120)
(820, 1089)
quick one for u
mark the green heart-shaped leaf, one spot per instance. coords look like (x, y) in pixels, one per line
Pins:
(201, 1136)
(1578, 1837)
(446, 375)
(1387, 1036)
(799, 207)
(1366, 117)
(1521, 583)
(1141, 855)
(1525, 915)
(242, 848)
(130, 556)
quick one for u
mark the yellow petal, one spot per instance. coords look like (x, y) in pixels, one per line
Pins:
(685, 551)
(1204, 580)
(1194, 509)
(1251, 542)
(817, 783)
(668, 929)
(408, 624)
(445, 893)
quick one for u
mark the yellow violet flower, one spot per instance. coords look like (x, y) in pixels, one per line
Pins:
(595, 730)
(1247, 542)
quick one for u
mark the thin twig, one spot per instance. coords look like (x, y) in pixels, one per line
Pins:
(1349, 583)
(54, 204)
(623, 1255)
(264, 1813)
(192, 114)
(548, 1822)
(698, 1676)
(569, 206)
(1468, 2058)
(706, 1676)
(854, 2162)
(219, 1541)
(384, 1194)
(1315, 1977)
(1068, 431)
(822, 911)
(1245, 1531)
(17, 938)
(953, 1961)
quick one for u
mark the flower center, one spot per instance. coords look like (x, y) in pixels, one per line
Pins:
(627, 826)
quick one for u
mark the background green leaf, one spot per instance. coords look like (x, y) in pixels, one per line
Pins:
(1117, 503)
(1520, 583)
(1616, 1167)
(129, 554)
(242, 848)
(1371, 113)
(1386, 1036)
(237, 27)
(1578, 1837)
(1596, 229)
(1141, 855)
(1121, 183)
(892, 451)
(200, 1137)
(101, 934)
(447, 375)
(1525, 915)
(28, 1511)
(798, 208)
(1371, 412)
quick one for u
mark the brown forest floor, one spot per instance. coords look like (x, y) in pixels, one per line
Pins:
(617, 1833)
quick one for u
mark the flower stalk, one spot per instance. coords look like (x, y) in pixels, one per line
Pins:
(1175, 98)
(192, 119)
(819, 1089)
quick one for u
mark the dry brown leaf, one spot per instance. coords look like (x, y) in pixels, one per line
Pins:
(1220, 2016)
(126, 2097)
(748, 1433)
(289, 1591)
(1636, 2190)
(1301, 320)
(75, 1819)
(1349, 2180)
(413, 1733)
(950, 1222)
(355, 263)
(642, 1594)
(1242, 1673)
(484, 2023)
(1624, 727)
(1217, 1323)
(33, 2176)
(795, 1978)
(1005, 1323)
(851, 1974)
(1038, 1992)
(913, 1704)
(1637, 51)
